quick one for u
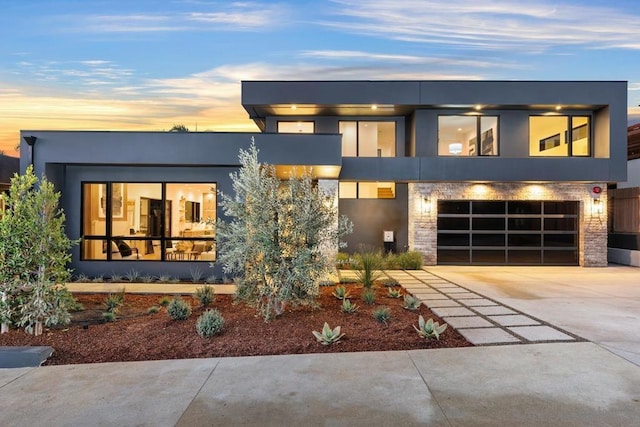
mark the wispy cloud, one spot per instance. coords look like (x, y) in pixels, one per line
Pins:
(219, 16)
(491, 24)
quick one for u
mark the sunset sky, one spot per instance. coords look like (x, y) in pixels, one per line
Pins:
(149, 64)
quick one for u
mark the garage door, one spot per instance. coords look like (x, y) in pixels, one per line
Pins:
(482, 232)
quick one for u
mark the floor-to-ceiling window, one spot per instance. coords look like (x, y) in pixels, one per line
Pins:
(148, 221)
(549, 136)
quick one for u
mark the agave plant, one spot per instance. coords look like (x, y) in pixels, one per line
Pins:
(429, 329)
(395, 292)
(348, 307)
(411, 303)
(341, 292)
(328, 335)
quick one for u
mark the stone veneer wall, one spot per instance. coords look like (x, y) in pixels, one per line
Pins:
(592, 244)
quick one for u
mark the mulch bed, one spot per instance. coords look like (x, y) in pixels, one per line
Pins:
(140, 336)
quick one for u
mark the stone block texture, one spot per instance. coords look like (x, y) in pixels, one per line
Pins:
(423, 212)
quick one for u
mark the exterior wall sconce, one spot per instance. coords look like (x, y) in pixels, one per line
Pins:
(425, 205)
(31, 141)
(596, 207)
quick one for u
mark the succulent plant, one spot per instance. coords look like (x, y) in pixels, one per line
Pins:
(348, 307)
(328, 335)
(429, 329)
(369, 296)
(411, 303)
(382, 314)
(395, 292)
(340, 292)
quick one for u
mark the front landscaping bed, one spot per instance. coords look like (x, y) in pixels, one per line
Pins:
(136, 335)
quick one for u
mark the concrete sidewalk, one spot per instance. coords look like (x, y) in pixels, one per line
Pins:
(569, 384)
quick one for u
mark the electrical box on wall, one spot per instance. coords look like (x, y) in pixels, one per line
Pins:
(387, 236)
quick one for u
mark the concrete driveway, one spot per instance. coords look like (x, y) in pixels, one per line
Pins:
(601, 305)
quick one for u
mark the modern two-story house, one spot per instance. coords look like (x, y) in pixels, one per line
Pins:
(466, 172)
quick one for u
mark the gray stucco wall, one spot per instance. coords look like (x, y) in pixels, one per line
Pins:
(372, 216)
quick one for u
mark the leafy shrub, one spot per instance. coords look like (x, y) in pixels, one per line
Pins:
(210, 323)
(205, 295)
(340, 292)
(98, 279)
(411, 303)
(179, 309)
(348, 307)
(164, 301)
(391, 261)
(153, 309)
(109, 316)
(344, 261)
(411, 260)
(369, 266)
(327, 335)
(327, 283)
(395, 292)
(147, 278)
(429, 329)
(382, 314)
(388, 282)
(369, 296)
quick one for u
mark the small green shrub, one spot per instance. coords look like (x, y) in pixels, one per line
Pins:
(347, 280)
(391, 261)
(369, 296)
(395, 292)
(164, 278)
(114, 301)
(327, 335)
(348, 307)
(327, 283)
(340, 292)
(411, 260)
(133, 275)
(344, 261)
(210, 323)
(369, 266)
(429, 329)
(98, 279)
(115, 278)
(147, 278)
(82, 278)
(205, 295)
(179, 309)
(211, 279)
(109, 316)
(164, 301)
(411, 303)
(388, 282)
(153, 309)
(382, 314)
(196, 275)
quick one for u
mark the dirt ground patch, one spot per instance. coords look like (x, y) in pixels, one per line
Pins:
(137, 335)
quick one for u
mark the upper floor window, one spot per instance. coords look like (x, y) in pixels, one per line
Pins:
(367, 190)
(368, 139)
(296, 127)
(550, 136)
(467, 135)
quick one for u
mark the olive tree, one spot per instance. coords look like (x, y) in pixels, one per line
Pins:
(34, 253)
(273, 242)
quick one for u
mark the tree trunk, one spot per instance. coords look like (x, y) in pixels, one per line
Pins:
(4, 327)
(38, 329)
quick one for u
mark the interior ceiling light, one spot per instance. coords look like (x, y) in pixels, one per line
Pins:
(558, 107)
(478, 107)
(293, 106)
(374, 107)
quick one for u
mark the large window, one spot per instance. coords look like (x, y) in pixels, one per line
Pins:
(148, 221)
(549, 136)
(368, 139)
(467, 135)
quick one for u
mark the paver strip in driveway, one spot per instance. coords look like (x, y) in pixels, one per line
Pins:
(481, 320)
